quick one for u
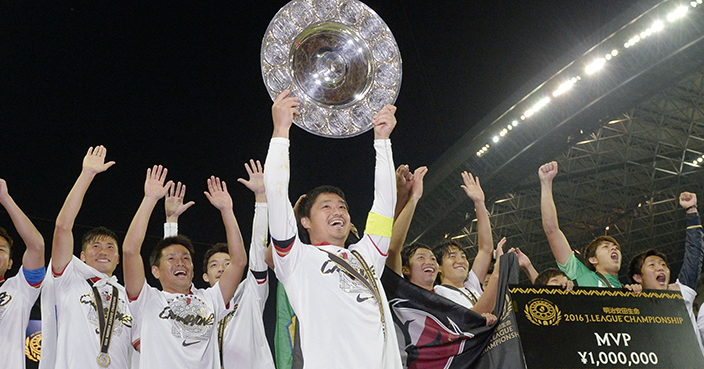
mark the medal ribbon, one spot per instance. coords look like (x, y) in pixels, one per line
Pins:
(470, 297)
(221, 331)
(367, 279)
(105, 323)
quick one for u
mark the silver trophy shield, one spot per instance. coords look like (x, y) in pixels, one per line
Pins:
(338, 57)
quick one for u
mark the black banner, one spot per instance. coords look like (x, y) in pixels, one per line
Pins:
(438, 333)
(604, 328)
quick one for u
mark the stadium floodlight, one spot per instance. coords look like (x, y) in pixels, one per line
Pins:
(680, 12)
(496, 139)
(565, 87)
(657, 26)
(514, 123)
(596, 65)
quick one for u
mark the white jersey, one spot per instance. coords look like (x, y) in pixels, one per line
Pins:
(175, 329)
(77, 322)
(343, 322)
(689, 295)
(244, 341)
(17, 297)
(472, 290)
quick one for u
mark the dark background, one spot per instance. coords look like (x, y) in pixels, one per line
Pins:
(179, 84)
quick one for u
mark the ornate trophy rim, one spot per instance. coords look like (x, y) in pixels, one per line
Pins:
(361, 64)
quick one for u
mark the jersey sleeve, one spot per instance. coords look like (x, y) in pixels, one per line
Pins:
(377, 231)
(282, 221)
(139, 305)
(257, 265)
(693, 252)
(573, 268)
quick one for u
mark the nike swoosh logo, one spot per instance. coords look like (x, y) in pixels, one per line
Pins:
(362, 299)
(186, 344)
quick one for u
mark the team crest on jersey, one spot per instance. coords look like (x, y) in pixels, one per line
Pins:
(348, 283)
(4, 301)
(190, 317)
(122, 315)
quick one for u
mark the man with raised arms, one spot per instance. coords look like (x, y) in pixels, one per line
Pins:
(602, 256)
(19, 292)
(240, 335)
(176, 324)
(457, 282)
(651, 270)
(83, 294)
(341, 307)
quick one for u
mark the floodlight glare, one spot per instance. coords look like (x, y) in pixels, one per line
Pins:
(595, 66)
(693, 4)
(528, 113)
(509, 127)
(514, 123)
(699, 160)
(496, 139)
(614, 52)
(607, 56)
(657, 26)
(677, 14)
(564, 87)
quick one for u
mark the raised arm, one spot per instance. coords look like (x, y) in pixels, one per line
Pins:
(34, 254)
(486, 302)
(219, 197)
(260, 223)
(132, 263)
(380, 219)
(174, 207)
(62, 244)
(402, 223)
(474, 191)
(558, 242)
(282, 222)
(525, 263)
(693, 252)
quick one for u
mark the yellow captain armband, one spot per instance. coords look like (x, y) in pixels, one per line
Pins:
(379, 225)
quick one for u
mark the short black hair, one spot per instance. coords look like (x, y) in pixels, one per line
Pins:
(408, 251)
(544, 276)
(155, 257)
(306, 203)
(98, 233)
(4, 234)
(218, 247)
(636, 264)
(445, 248)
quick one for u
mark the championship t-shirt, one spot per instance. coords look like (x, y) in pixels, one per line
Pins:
(175, 329)
(17, 297)
(78, 333)
(465, 296)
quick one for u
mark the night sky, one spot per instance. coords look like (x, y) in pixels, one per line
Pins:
(180, 84)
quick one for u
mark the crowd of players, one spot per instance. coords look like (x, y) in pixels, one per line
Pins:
(329, 274)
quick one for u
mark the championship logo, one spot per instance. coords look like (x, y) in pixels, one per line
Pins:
(348, 283)
(542, 312)
(121, 316)
(33, 346)
(190, 318)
